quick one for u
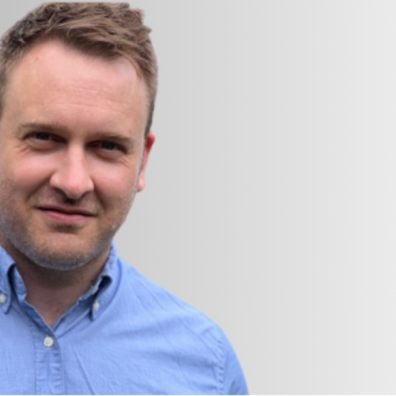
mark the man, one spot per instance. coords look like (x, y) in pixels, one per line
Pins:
(77, 91)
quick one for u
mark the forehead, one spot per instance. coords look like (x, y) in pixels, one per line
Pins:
(51, 75)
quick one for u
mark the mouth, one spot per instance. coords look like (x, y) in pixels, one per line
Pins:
(66, 215)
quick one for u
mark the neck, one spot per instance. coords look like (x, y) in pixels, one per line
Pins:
(53, 292)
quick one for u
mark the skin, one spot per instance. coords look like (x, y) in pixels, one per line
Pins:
(72, 157)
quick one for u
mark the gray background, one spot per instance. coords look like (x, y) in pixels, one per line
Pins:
(271, 195)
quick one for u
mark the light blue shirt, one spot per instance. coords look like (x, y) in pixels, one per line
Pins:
(124, 336)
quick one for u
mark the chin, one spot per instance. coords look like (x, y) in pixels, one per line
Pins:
(63, 252)
(63, 260)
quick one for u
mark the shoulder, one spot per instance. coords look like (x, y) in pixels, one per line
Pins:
(196, 339)
(167, 309)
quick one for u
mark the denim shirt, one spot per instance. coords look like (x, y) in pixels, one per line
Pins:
(125, 335)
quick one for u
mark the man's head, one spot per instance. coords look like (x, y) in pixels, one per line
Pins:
(105, 30)
(74, 131)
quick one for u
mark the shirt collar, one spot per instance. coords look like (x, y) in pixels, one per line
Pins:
(6, 264)
(103, 289)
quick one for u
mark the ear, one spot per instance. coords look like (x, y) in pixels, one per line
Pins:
(149, 141)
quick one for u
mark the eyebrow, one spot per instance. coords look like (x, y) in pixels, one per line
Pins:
(119, 138)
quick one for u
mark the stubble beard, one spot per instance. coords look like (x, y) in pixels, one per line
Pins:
(20, 229)
(22, 242)
(19, 242)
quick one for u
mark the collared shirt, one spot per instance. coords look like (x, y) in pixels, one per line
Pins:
(124, 336)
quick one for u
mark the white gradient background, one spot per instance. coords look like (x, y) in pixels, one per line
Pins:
(271, 195)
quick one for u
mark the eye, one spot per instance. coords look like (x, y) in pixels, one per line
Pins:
(109, 146)
(42, 140)
(45, 136)
(108, 149)
(40, 135)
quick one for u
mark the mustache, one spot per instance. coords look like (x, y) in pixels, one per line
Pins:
(58, 201)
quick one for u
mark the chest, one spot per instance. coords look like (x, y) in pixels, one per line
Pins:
(98, 357)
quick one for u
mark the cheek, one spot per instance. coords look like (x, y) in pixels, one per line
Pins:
(116, 196)
(116, 186)
(25, 174)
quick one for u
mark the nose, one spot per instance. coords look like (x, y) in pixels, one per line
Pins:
(72, 176)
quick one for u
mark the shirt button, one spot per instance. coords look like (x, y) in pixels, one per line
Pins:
(96, 306)
(48, 342)
(3, 298)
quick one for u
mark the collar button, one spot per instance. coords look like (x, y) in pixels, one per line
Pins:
(96, 306)
(3, 298)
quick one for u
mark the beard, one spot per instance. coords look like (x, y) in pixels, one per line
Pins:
(70, 254)
(60, 247)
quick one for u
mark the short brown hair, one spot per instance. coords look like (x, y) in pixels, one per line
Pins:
(107, 30)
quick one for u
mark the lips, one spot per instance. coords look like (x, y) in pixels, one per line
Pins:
(66, 215)
(71, 211)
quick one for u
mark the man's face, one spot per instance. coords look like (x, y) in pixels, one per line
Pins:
(72, 154)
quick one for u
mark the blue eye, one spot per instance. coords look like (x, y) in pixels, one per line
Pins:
(43, 140)
(42, 135)
(108, 149)
(109, 146)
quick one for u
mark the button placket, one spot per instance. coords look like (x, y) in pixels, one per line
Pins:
(49, 377)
